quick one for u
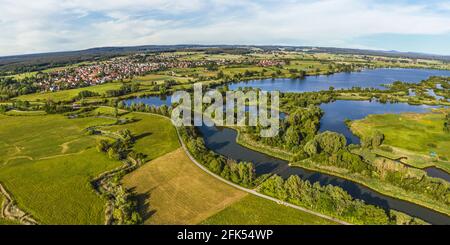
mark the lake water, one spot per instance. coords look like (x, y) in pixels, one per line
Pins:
(151, 100)
(335, 114)
(370, 78)
(437, 173)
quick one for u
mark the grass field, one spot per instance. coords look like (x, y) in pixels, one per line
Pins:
(25, 113)
(156, 135)
(253, 210)
(415, 136)
(68, 95)
(46, 163)
(172, 190)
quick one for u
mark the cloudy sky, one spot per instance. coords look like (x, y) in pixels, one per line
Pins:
(56, 25)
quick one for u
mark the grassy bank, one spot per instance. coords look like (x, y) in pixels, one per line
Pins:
(253, 210)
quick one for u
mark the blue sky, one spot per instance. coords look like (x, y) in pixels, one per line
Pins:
(56, 25)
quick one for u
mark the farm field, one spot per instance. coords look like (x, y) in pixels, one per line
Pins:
(172, 190)
(415, 136)
(253, 210)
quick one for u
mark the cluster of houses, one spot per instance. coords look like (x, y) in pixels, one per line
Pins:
(125, 68)
(266, 63)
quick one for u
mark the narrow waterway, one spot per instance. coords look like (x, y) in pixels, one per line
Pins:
(223, 141)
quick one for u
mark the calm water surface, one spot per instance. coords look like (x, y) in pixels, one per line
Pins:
(370, 78)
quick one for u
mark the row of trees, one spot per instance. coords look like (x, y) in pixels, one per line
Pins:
(328, 199)
(162, 110)
(447, 123)
(242, 173)
(124, 203)
(86, 94)
(56, 107)
(329, 148)
(123, 90)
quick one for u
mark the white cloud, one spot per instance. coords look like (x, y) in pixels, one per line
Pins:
(49, 25)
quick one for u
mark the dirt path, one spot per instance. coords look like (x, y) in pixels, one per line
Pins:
(11, 211)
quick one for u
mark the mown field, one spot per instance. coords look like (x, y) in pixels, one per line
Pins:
(172, 190)
(253, 210)
(416, 136)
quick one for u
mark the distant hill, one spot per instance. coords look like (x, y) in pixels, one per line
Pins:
(34, 62)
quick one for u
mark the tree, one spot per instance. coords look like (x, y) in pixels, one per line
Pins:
(102, 146)
(447, 122)
(311, 148)
(330, 142)
(292, 137)
(377, 139)
(113, 154)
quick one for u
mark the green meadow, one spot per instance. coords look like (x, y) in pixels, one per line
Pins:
(253, 210)
(416, 136)
(47, 162)
(68, 95)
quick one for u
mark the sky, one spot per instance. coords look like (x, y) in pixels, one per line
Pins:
(60, 25)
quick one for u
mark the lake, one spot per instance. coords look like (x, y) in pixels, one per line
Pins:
(369, 78)
(335, 114)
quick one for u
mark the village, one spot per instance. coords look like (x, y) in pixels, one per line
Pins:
(122, 68)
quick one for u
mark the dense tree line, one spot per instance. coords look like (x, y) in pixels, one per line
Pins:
(329, 148)
(86, 94)
(56, 107)
(11, 87)
(291, 101)
(300, 126)
(328, 199)
(242, 173)
(141, 107)
(123, 90)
